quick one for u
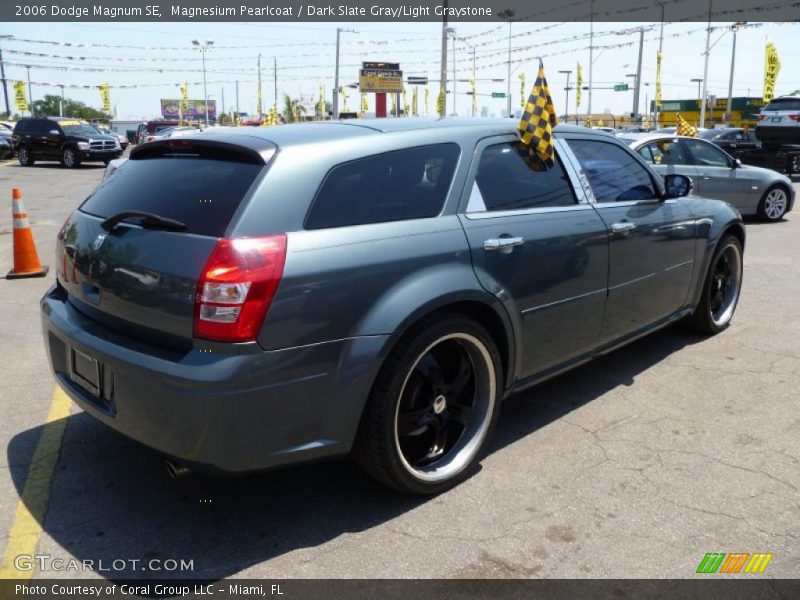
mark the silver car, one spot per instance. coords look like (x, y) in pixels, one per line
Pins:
(716, 174)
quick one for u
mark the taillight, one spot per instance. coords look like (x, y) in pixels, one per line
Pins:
(237, 286)
(795, 117)
(761, 117)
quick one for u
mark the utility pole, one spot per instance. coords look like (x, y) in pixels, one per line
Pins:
(443, 60)
(30, 93)
(237, 100)
(638, 75)
(335, 107)
(275, 79)
(729, 108)
(475, 82)
(698, 81)
(260, 97)
(3, 76)
(705, 69)
(591, 57)
(454, 72)
(660, 45)
(566, 99)
(204, 47)
(61, 111)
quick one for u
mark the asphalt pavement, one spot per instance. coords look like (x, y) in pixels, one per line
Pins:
(634, 465)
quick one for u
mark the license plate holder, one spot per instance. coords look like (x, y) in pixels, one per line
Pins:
(85, 371)
(776, 119)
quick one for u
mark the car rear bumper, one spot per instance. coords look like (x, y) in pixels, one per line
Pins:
(778, 134)
(235, 411)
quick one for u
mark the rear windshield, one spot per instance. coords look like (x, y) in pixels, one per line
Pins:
(202, 193)
(784, 104)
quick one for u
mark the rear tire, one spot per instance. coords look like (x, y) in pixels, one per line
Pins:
(24, 156)
(773, 204)
(432, 408)
(722, 287)
(69, 158)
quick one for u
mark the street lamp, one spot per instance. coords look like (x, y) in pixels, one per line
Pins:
(203, 49)
(698, 81)
(508, 15)
(335, 104)
(567, 88)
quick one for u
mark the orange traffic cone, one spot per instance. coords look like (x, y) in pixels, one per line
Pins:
(26, 260)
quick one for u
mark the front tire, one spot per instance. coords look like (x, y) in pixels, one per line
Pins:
(69, 158)
(721, 289)
(432, 408)
(24, 156)
(773, 204)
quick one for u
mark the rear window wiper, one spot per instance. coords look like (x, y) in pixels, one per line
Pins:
(146, 219)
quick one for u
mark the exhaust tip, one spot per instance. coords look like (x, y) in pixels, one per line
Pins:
(176, 471)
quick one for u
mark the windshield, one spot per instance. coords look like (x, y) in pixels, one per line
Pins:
(78, 128)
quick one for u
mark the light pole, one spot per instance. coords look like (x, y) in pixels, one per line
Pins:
(203, 49)
(452, 33)
(3, 75)
(443, 65)
(508, 15)
(635, 98)
(698, 81)
(705, 69)
(61, 111)
(474, 89)
(30, 93)
(735, 27)
(566, 99)
(335, 107)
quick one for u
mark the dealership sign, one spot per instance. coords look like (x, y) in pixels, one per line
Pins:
(170, 108)
(380, 77)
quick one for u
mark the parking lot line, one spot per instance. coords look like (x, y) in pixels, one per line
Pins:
(8, 162)
(26, 529)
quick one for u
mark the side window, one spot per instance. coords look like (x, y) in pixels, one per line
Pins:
(394, 186)
(507, 180)
(667, 152)
(613, 174)
(707, 155)
(22, 127)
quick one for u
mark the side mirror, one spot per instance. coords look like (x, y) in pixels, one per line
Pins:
(677, 186)
(736, 163)
(54, 132)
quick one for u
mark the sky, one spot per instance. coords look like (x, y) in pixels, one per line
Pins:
(305, 55)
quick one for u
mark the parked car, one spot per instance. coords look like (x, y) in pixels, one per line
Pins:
(779, 121)
(731, 139)
(248, 298)
(171, 132)
(151, 129)
(605, 129)
(123, 140)
(71, 141)
(5, 144)
(716, 174)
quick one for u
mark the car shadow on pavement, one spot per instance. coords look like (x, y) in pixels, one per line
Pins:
(111, 499)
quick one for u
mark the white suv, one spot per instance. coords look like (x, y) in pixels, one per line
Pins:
(779, 121)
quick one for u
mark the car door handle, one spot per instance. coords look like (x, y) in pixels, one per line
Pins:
(503, 244)
(624, 227)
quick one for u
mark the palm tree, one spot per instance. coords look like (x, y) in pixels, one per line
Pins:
(292, 109)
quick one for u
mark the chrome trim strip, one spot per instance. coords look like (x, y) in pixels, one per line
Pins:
(557, 302)
(526, 211)
(627, 203)
(679, 265)
(637, 280)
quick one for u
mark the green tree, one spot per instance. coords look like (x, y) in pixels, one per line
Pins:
(293, 111)
(50, 105)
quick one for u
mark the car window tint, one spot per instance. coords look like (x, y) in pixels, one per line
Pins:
(507, 179)
(667, 152)
(200, 192)
(393, 186)
(783, 104)
(706, 154)
(613, 174)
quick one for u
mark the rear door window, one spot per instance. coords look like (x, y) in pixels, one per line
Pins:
(707, 155)
(200, 192)
(784, 104)
(664, 152)
(393, 186)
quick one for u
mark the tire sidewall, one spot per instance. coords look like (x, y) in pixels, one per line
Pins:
(75, 161)
(441, 328)
(705, 304)
(25, 152)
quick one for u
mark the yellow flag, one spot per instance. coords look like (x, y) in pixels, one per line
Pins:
(405, 102)
(772, 66)
(105, 97)
(364, 103)
(259, 106)
(414, 106)
(427, 101)
(538, 120)
(440, 99)
(185, 96)
(321, 101)
(684, 127)
(659, 58)
(20, 98)
(522, 90)
(345, 98)
(578, 87)
(474, 93)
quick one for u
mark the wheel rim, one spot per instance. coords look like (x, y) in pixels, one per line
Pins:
(23, 155)
(69, 158)
(445, 407)
(726, 282)
(775, 204)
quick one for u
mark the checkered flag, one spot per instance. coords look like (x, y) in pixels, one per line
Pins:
(538, 120)
(684, 128)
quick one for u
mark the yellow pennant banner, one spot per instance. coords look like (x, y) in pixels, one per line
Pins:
(578, 87)
(659, 58)
(440, 100)
(522, 90)
(20, 99)
(427, 101)
(105, 97)
(772, 66)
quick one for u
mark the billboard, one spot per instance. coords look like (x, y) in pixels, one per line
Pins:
(380, 77)
(197, 109)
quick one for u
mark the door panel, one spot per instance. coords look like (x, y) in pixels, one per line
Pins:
(716, 178)
(549, 264)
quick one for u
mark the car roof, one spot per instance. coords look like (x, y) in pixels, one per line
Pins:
(303, 133)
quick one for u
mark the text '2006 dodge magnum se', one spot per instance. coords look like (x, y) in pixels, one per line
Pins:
(244, 299)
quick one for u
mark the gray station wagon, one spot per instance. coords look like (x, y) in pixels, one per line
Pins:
(244, 299)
